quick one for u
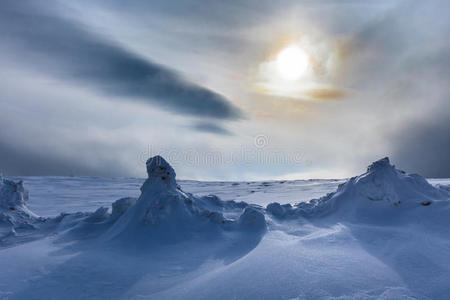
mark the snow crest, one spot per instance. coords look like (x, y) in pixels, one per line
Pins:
(13, 210)
(164, 212)
(382, 194)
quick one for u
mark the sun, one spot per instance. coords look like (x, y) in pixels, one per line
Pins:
(291, 62)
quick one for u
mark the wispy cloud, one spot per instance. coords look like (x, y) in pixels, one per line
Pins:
(211, 128)
(63, 47)
(401, 63)
(325, 93)
(391, 69)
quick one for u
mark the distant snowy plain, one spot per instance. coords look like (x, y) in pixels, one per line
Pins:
(50, 196)
(295, 258)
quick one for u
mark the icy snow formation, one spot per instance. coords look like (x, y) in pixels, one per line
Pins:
(169, 244)
(119, 207)
(382, 194)
(13, 211)
(165, 212)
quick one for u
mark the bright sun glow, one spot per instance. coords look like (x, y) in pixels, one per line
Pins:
(292, 62)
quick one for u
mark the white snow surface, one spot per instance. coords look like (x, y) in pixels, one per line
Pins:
(381, 235)
(14, 213)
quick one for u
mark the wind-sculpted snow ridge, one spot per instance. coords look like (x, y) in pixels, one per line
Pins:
(382, 194)
(164, 212)
(169, 244)
(14, 213)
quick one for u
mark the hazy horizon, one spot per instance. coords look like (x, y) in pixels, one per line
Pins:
(242, 90)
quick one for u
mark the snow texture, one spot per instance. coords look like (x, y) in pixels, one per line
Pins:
(14, 213)
(380, 235)
(381, 195)
(164, 212)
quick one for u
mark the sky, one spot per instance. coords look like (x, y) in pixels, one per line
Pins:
(96, 87)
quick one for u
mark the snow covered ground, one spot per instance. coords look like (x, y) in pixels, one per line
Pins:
(50, 196)
(382, 235)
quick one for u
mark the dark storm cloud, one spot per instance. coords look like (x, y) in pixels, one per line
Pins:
(23, 161)
(422, 144)
(423, 147)
(211, 128)
(414, 80)
(65, 48)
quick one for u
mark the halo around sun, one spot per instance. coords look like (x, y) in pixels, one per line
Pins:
(291, 62)
(303, 70)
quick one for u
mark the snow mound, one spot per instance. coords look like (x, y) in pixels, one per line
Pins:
(382, 194)
(164, 212)
(13, 210)
(12, 194)
(252, 218)
(119, 207)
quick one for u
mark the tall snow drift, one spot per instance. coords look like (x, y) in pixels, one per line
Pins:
(163, 212)
(382, 194)
(13, 210)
